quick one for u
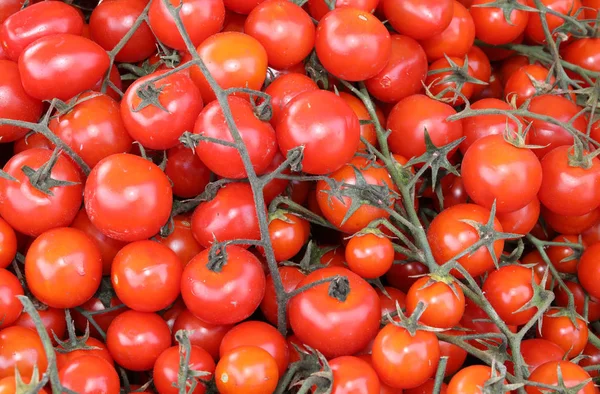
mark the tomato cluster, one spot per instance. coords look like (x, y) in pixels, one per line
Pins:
(276, 196)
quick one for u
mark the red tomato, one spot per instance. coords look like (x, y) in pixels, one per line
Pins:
(562, 257)
(583, 53)
(589, 266)
(31, 141)
(536, 352)
(8, 385)
(36, 21)
(419, 19)
(235, 60)
(570, 224)
(345, 31)
(111, 20)
(444, 303)
(494, 88)
(481, 66)
(492, 25)
(115, 78)
(291, 277)
(411, 116)
(234, 22)
(53, 320)
(119, 193)
(160, 126)
(284, 88)
(440, 82)
(476, 320)
(327, 127)
(457, 38)
(288, 235)
(17, 104)
(579, 295)
(182, 241)
(370, 255)
(21, 348)
(136, 339)
(388, 302)
(258, 137)
(201, 19)
(404, 73)
(427, 387)
(521, 221)
(402, 276)
(285, 31)
(246, 369)
(367, 131)
(347, 311)
(61, 66)
(101, 351)
(572, 376)
(230, 215)
(88, 375)
(187, 172)
(9, 7)
(166, 369)
(318, 8)
(205, 335)
(534, 30)
(560, 330)
(592, 359)
(470, 380)
(448, 236)
(402, 360)
(519, 84)
(456, 355)
(351, 373)
(8, 244)
(211, 290)
(11, 307)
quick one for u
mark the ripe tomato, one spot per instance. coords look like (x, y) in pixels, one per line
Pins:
(64, 256)
(456, 355)
(579, 295)
(201, 19)
(288, 235)
(36, 21)
(402, 360)
(443, 81)
(562, 257)
(166, 369)
(494, 88)
(345, 31)
(448, 236)
(347, 324)
(549, 135)
(18, 105)
(325, 125)
(570, 224)
(291, 277)
(246, 369)
(284, 29)
(119, 193)
(370, 255)
(419, 19)
(136, 339)
(481, 66)
(21, 348)
(8, 8)
(560, 330)
(258, 137)
(205, 335)
(492, 25)
(404, 73)
(350, 372)
(444, 303)
(101, 351)
(563, 183)
(111, 20)
(335, 210)
(536, 352)
(367, 131)
(160, 126)
(214, 295)
(470, 380)
(235, 60)
(115, 78)
(10, 306)
(89, 374)
(456, 39)
(8, 385)
(61, 66)
(259, 334)
(521, 221)
(520, 83)
(572, 376)
(230, 215)
(187, 172)
(589, 266)
(182, 241)
(146, 276)
(284, 88)
(402, 276)
(318, 8)
(583, 53)
(426, 388)
(411, 116)
(93, 128)
(494, 170)
(593, 357)
(8, 244)
(388, 302)
(535, 31)
(53, 320)
(476, 320)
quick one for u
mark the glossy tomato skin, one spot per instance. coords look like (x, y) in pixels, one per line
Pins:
(291, 277)
(225, 161)
(327, 127)
(469, 380)
(37, 21)
(93, 128)
(570, 224)
(230, 215)
(521, 221)
(153, 127)
(246, 369)
(563, 258)
(370, 255)
(448, 236)
(284, 29)
(367, 131)
(8, 244)
(111, 20)
(388, 302)
(318, 8)
(583, 53)
(181, 240)
(136, 339)
(11, 307)
(572, 375)
(537, 352)
(445, 303)
(235, 60)
(492, 27)
(560, 330)
(404, 73)
(288, 235)
(22, 348)
(334, 210)
(166, 369)
(481, 66)
(336, 49)
(61, 66)
(519, 86)
(563, 183)
(88, 375)
(187, 172)
(404, 361)
(589, 267)
(579, 295)
(64, 256)
(411, 116)
(477, 321)
(8, 8)
(146, 276)
(456, 40)
(426, 388)
(215, 296)
(259, 334)
(419, 19)
(201, 19)
(27, 209)
(494, 170)
(345, 327)
(53, 320)
(352, 373)
(17, 104)
(8, 385)
(205, 335)
(439, 82)
(534, 31)
(138, 186)
(101, 351)
(402, 276)
(284, 88)
(593, 357)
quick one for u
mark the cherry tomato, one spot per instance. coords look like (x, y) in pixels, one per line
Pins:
(481, 66)
(53, 320)
(115, 79)
(402, 276)
(593, 357)
(563, 257)
(8, 385)
(456, 355)
(535, 31)
(187, 172)
(579, 295)
(246, 369)
(521, 221)
(8, 244)
(290, 277)
(389, 300)
(205, 335)
(11, 307)
(21, 348)
(370, 255)
(455, 40)
(583, 53)
(30, 141)
(570, 224)
(470, 380)
(367, 131)
(521, 83)
(444, 303)
(166, 369)
(119, 193)
(572, 376)
(478, 322)
(88, 375)
(589, 265)
(560, 330)
(288, 235)
(9, 7)
(352, 373)
(440, 82)
(319, 8)
(101, 351)
(494, 26)
(426, 388)
(536, 352)
(419, 19)
(284, 88)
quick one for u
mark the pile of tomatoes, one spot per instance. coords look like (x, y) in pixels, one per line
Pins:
(277, 196)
